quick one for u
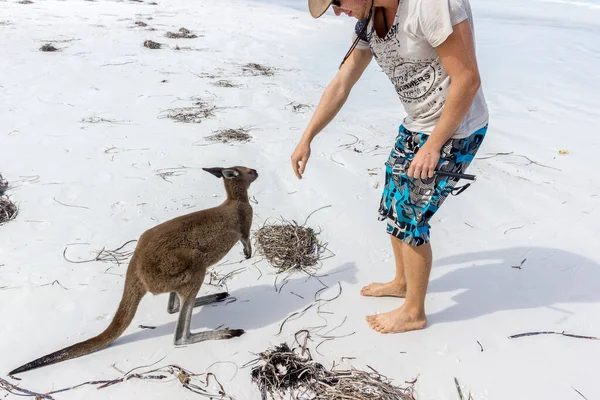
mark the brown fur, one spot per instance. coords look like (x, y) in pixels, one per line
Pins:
(173, 257)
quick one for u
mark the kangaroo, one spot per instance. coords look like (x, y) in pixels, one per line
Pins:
(173, 257)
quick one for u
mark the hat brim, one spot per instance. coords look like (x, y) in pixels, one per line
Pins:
(318, 7)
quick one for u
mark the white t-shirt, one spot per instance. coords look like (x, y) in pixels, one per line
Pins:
(408, 57)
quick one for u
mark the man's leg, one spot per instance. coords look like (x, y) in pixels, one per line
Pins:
(395, 288)
(411, 315)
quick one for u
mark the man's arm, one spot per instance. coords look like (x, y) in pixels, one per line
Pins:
(333, 99)
(457, 54)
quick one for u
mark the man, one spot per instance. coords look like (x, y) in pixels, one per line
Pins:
(426, 48)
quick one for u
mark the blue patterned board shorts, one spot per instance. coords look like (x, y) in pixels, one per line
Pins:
(408, 204)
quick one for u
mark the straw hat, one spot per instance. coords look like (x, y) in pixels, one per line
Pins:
(318, 7)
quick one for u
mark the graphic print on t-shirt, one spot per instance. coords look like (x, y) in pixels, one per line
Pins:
(415, 80)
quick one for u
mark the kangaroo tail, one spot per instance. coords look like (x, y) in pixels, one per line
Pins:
(132, 295)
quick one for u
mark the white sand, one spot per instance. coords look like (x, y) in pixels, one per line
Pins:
(539, 62)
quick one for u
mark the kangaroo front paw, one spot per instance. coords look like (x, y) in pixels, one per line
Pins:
(248, 252)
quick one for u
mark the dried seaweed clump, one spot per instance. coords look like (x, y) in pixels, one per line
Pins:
(230, 135)
(258, 69)
(182, 34)
(48, 47)
(287, 245)
(298, 107)
(201, 110)
(152, 45)
(8, 210)
(284, 372)
(225, 83)
(3, 185)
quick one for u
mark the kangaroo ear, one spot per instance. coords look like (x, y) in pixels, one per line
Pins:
(230, 173)
(216, 171)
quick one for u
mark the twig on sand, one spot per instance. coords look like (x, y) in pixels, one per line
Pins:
(165, 172)
(314, 303)
(18, 391)
(514, 229)
(578, 392)
(118, 64)
(68, 205)
(96, 120)
(350, 144)
(518, 155)
(196, 383)
(116, 255)
(218, 280)
(460, 395)
(552, 333)
(53, 283)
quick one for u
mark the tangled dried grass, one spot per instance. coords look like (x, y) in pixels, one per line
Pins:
(230, 135)
(117, 255)
(182, 34)
(48, 48)
(285, 372)
(289, 246)
(8, 210)
(152, 45)
(205, 384)
(3, 185)
(257, 69)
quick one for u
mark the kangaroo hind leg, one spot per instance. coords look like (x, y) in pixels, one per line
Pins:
(173, 306)
(183, 334)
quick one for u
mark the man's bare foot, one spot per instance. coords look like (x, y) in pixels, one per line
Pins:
(397, 321)
(391, 289)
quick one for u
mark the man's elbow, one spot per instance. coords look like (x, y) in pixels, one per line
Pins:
(472, 82)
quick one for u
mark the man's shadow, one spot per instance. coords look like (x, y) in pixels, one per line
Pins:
(259, 305)
(496, 281)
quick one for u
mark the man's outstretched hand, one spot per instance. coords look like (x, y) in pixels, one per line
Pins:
(300, 157)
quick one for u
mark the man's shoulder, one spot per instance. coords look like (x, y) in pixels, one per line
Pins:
(361, 30)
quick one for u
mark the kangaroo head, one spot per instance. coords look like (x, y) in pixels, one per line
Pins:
(234, 177)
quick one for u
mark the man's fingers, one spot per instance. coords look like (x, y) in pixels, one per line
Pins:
(295, 167)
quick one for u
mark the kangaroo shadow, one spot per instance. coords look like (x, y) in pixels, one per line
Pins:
(256, 306)
(496, 281)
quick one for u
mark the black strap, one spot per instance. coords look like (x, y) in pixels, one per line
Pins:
(458, 190)
(355, 43)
